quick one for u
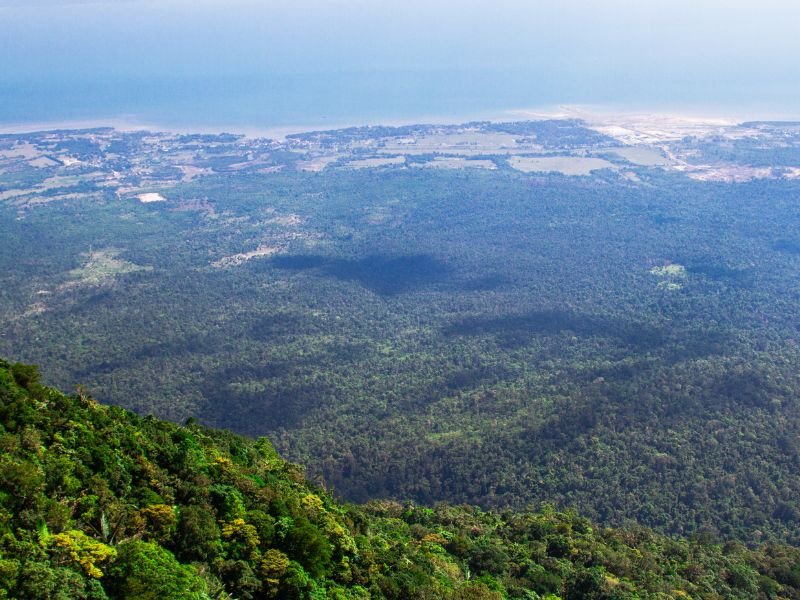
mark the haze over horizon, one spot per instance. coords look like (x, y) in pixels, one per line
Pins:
(246, 63)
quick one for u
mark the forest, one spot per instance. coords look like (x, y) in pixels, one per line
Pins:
(622, 347)
(98, 503)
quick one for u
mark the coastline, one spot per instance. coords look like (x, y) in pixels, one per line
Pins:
(276, 131)
(595, 114)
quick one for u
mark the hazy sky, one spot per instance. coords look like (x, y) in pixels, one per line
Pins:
(711, 50)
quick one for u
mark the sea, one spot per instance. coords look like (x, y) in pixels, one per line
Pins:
(270, 102)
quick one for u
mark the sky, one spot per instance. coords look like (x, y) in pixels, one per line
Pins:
(134, 55)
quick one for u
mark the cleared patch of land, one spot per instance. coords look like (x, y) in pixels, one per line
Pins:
(13, 193)
(459, 163)
(238, 259)
(656, 129)
(673, 270)
(151, 197)
(670, 275)
(567, 165)
(317, 164)
(290, 220)
(102, 266)
(33, 201)
(730, 173)
(31, 195)
(43, 162)
(191, 172)
(466, 143)
(24, 150)
(644, 156)
(369, 163)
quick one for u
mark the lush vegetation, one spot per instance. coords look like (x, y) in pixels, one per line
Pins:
(625, 348)
(96, 502)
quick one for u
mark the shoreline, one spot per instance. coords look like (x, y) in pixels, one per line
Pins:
(277, 131)
(593, 114)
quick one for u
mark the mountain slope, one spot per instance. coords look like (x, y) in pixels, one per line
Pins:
(96, 502)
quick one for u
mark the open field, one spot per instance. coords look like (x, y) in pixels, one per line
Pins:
(102, 266)
(148, 197)
(262, 251)
(441, 162)
(370, 163)
(566, 165)
(642, 155)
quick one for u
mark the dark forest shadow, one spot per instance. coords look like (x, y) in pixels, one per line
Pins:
(516, 331)
(385, 275)
(718, 272)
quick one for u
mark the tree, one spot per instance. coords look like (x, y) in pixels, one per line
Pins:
(146, 571)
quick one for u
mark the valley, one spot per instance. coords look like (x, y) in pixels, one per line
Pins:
(601, 314)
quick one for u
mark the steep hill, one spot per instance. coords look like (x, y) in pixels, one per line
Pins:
(96, 502)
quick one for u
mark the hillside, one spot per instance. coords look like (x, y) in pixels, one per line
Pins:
(96, 502)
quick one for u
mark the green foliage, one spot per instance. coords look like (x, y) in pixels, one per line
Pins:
(484, 337)
(240, 523)
(81, 549)
(198, 536)
(146, 571)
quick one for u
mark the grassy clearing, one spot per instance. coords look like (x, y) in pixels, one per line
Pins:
(459, 163)
(639, 155)
(670, 276)
(24, 150)
(317, 164)
(102, 266)
(673, 270)
(370, 163)
(567, 165)
(468, 143)
(262, 251)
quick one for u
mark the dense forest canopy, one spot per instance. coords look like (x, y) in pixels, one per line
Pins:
(417, 314)
(97, 503)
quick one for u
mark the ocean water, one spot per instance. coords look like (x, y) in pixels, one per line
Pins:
(254, 64)
(276, 100)
(265, 100)
(331, 99)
